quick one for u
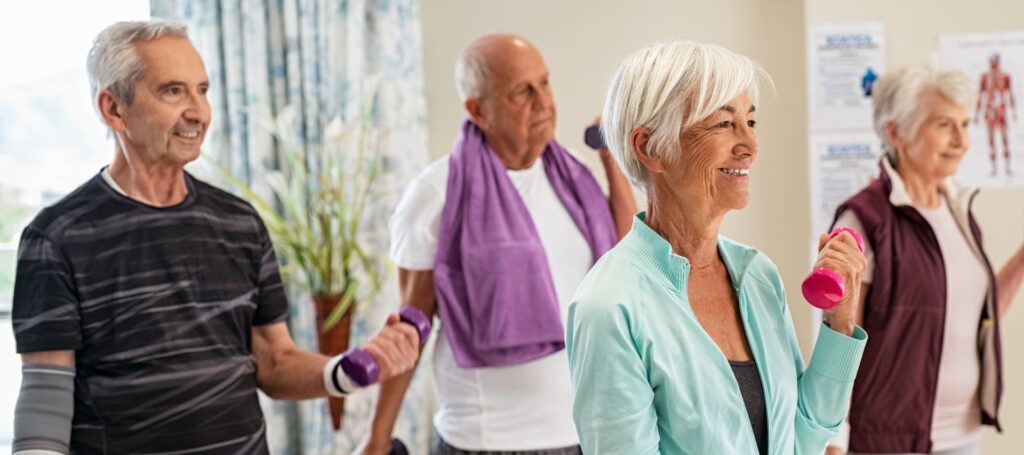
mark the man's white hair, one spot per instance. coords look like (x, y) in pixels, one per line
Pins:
(667, 88)
(897, 98)
(471, 74)
(113, 63)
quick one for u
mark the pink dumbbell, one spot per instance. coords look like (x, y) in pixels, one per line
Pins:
(360, 365)
(824, 287)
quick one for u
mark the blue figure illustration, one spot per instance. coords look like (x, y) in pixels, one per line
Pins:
(867, 81)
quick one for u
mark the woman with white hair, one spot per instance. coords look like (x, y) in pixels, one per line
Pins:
(931, 374)
(679, 339)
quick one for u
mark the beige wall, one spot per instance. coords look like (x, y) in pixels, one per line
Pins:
(584, 40)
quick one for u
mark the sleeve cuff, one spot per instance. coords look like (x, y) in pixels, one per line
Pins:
(837, 356)
(409, 262)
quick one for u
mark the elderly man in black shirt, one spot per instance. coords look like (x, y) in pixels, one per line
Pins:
(147, 306)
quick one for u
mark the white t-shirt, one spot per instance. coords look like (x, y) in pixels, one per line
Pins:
(956, 421)
(521, 407)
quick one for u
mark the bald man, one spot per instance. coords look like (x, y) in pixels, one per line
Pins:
(494, 238)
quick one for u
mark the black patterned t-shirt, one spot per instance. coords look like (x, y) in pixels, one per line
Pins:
(158, 305)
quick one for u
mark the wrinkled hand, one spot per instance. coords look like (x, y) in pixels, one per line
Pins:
(842, 255)
(396, 348)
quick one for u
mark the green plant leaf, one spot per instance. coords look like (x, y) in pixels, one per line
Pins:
(342, 306)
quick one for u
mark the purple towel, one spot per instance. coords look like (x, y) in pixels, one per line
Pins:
(494, 289)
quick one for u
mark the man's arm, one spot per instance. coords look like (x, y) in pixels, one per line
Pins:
(59, 358)
(286, 372)
(45, 408)
(417, 289)
(620, 194)
(283, 371)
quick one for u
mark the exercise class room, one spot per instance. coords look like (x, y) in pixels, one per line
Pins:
(458, 227)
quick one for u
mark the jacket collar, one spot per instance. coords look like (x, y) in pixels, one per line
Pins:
(655, 254)
(958, 196)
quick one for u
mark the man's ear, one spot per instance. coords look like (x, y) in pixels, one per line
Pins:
(475, 110)
(111, 110)
(640, 140)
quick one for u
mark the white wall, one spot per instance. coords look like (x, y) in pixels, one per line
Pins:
(583, 41)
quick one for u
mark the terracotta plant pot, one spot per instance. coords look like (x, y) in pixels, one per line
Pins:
(332, 343)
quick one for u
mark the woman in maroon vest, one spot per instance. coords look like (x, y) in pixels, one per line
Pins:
(931, 374)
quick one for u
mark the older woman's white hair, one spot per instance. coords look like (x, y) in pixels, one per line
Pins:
(113, 63)
(897, 98)
(668, 88)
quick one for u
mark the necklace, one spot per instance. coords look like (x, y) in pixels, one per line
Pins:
(701, 267)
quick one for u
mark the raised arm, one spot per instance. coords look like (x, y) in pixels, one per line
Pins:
(417, 289)
(620, 194)
(826, 384)
(1009, 280)
(284, 371)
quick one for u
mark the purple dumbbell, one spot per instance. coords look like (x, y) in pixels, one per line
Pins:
(824, 287)
(362, 368)
(398, 448)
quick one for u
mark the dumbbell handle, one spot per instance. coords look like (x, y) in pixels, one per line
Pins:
(824, 287)
(362, 368)
(398, 448)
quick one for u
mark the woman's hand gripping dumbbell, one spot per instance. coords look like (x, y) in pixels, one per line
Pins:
(834, 283)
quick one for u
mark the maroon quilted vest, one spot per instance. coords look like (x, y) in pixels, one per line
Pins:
(904, 315)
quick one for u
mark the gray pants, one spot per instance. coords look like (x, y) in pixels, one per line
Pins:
(442, 448)
(973, 449)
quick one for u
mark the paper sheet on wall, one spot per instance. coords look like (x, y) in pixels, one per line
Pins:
(844, 61)
(995, 63)
(843, 164)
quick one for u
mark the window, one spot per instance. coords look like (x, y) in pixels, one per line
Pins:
(51, 140)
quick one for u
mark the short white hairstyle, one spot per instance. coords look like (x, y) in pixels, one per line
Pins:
(471, 74)
(113, 63)
(897, 98)
(668, 88)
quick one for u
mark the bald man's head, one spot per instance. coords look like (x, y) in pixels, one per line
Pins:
(485, 57)
(503, 83)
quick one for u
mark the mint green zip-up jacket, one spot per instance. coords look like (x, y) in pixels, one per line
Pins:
(648, 379)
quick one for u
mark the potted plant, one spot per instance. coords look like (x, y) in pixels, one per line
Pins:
(314, 210)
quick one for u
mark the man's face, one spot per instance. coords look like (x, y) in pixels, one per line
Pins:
(169, 116)
(518, 109)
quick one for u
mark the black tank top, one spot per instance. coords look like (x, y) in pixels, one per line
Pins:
(749, 379)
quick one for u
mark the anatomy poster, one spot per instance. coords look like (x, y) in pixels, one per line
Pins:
(844, 61)
(995, 63)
